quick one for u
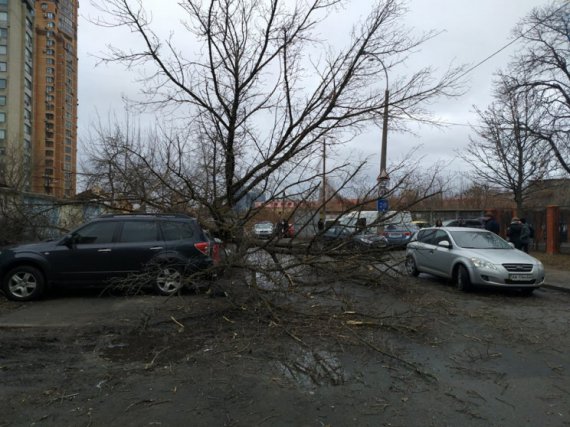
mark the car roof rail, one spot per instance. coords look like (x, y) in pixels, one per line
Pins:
(145, 214)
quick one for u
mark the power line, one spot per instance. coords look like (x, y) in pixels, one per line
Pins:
(509, 43)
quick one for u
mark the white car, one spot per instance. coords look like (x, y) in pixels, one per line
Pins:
(263, 230)
(472, 256)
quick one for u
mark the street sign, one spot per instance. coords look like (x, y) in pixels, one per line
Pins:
(382, 205)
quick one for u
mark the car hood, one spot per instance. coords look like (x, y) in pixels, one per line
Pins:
(32, 247)
(501, 256)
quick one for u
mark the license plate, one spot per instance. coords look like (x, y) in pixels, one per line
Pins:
(394, 235)
(520, 277)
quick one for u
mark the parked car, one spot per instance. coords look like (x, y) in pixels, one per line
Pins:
(167, 247)
(461, 222)
(399, 234)
(420, 223)
(348, 237)
(470, 257)
(263, 230)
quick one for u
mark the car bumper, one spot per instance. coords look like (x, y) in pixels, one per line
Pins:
(504, 279)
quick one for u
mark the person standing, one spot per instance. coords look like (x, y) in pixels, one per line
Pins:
(525, 235)
(491, 224)
(438, 223)
(514, 232)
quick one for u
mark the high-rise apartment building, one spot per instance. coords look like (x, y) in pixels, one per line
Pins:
(16, 92)
(55, 98)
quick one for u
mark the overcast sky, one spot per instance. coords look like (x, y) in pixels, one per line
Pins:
(471, 31)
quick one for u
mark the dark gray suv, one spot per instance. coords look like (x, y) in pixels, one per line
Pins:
(168, 247)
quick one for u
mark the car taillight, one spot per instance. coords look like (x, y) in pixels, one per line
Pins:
(407, 234)
(202, 247)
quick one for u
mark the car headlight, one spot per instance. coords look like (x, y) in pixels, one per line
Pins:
(367, 241)
(481, 263)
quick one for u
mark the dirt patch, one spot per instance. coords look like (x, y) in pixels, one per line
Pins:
(416, 352)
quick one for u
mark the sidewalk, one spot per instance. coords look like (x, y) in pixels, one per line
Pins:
(557, 279)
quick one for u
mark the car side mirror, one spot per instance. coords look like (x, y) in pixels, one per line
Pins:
(70, 240)
(445, 244)
(512, 245)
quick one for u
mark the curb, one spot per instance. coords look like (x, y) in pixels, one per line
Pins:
(556, 287)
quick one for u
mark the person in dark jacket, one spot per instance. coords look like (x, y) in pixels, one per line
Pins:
(525, 235)
(514, 232)
(491, 224)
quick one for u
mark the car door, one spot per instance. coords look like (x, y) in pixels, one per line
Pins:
(441, 256)
(87, 256)
(137, 244)
(423, 247)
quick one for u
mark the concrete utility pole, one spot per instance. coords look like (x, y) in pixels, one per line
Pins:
(383, 177)
(324, 183)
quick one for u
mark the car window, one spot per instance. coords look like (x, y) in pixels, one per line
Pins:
(177, 230)
(479, 240)
(139, 231)
(97, 232)
(426, 236)
(440, 236)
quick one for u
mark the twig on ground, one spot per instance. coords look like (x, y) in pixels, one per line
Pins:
(410, 365)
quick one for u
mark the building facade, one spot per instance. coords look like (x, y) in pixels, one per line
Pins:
(55, 98)
(16, 93)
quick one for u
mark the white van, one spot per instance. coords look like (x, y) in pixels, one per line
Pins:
(364, 219)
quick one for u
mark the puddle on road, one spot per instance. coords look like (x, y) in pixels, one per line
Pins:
(311, 369)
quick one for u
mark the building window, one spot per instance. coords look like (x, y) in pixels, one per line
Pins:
(3, 16)
(50, 24)
(49, 144)
(50, 15)
(3, 49)
(28, 84)
(44, 6)
(2, 117)
(50, 61)
(49, 153)
(2, 83)
(3, 33)
(2, 134)
(2, 100)
(49, 163)
(50, 70)
(27, 129)
(68, 149)
(50, 42)
(50, 52)
(48, 79)
(3, 67)
(49, 116)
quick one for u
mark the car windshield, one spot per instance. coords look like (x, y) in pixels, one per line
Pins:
(479, 240)
(263, 226)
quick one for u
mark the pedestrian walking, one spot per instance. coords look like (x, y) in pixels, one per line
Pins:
(491, 223)
(525, 235)
(514, 232)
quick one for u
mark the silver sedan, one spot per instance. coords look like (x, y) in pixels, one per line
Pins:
(471, 256)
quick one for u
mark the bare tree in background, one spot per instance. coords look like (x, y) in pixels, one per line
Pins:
(250, 108)
(505, 153)
(542, 67)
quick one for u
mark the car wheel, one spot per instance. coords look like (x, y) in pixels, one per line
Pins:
(24, 283)
(169, 280)
(411, 267)
(463, 279)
